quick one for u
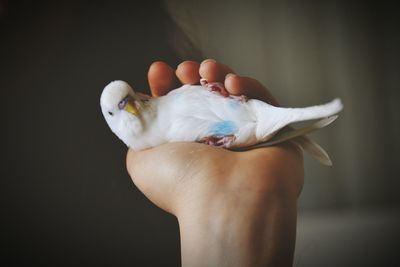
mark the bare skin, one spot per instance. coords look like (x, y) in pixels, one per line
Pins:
(233, 208)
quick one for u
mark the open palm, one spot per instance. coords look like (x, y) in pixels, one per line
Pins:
(233, 208)
(174, 174)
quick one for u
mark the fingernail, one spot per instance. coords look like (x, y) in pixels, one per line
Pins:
(230, 75)
(180, 64)
(208, 60)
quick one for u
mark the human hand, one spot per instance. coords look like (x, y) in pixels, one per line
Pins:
(161, 172)
(197, 182)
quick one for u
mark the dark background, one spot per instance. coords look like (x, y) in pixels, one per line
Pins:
(66, 198)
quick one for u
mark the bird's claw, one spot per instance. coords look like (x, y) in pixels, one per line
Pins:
(219, 88)
(225, 141)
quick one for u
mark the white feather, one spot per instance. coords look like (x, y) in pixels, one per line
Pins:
(192, 113)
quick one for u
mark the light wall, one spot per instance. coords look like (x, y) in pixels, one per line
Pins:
(309, 52)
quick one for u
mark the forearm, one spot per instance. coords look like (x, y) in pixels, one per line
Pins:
(246, 231)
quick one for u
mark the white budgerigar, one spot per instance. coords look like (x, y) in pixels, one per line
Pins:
(207, 114)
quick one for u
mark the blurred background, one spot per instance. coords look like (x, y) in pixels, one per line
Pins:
(66, 197)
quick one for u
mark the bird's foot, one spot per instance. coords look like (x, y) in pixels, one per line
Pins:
(225, 141)
(219, 88)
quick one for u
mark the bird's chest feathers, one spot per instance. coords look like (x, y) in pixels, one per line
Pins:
(189, 114)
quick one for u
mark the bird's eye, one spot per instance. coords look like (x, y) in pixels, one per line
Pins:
(122, 103)
(110, 113)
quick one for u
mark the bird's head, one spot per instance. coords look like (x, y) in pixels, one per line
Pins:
(119, 106)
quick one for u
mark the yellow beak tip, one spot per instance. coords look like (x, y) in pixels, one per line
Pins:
(131, 108)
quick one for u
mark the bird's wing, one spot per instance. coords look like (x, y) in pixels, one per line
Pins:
(142, 96)
(299, 137)
(291, 133)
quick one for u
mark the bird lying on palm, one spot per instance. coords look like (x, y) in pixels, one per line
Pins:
(207, 113)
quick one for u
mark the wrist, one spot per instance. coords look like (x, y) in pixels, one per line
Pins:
(239, 230)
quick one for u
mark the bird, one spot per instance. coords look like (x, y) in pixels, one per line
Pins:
(208, 114)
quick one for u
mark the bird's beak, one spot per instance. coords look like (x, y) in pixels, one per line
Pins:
(131, 108)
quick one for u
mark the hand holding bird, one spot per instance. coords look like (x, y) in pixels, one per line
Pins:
(163, 172)
(253, 192)
(205, 113)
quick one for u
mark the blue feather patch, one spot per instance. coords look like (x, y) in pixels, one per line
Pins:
(223, 128)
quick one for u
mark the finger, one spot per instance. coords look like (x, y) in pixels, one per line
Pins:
(188, 72)
(161, 78)
(250, 87)
(213, 71)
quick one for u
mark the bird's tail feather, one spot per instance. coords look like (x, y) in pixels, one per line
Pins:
(290, 132)
(299, 137)
(317, 112)
(272, 119)
(314, 149)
